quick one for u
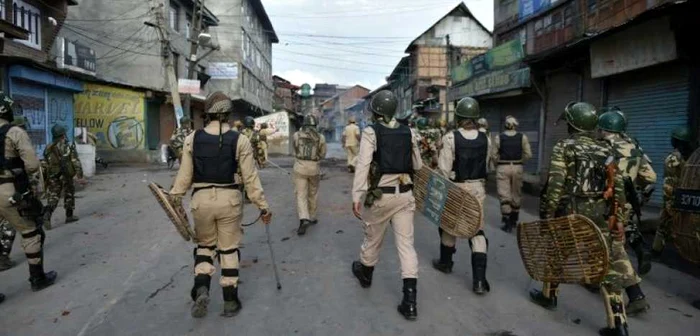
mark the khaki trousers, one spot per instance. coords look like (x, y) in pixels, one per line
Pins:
(306, 189)
(397, 209)
(352, 154)
(478, 242)
(217, 225)
(31, 236)
(509, 180)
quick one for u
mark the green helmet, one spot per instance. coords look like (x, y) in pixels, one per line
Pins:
(58, 131)
(249, 122)
(422, 123)
(581, 116)
(310, 120)
(20, 121)
(681, 133)
(185, 120)
(6, 104)
(468, 108)
(612, 121)
(383, 103)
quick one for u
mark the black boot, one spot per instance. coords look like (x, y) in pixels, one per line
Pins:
(696, 304)
(514, 217)
(480, 285)
(231, 303)
(619, 330)
(303, 224)
(637, 301)
(407, 308)
(40, 280)
(643, 257)
(69, 216)
(200, 295)
(362, 273)
(541, 299)
(505, 218)
(444, 264)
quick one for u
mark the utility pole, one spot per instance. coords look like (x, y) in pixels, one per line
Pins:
(160, 25)
(448, 77)
(198, 17)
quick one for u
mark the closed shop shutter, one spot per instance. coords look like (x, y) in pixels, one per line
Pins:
(60, 111)
(32, 98)
(655, 101)
(525, 108)
(562, 88)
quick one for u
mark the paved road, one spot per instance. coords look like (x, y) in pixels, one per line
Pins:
(124, 271)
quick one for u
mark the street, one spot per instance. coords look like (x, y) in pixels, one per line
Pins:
(124, 270)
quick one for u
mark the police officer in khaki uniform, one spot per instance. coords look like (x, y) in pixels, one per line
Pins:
(466, 152)
(210, 159)
(19, 161)
(388, 155)
(511, 149)
(351, 142)
(309, 150)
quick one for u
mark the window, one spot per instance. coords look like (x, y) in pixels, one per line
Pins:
(174, 16)
(188, 26)
(176, 64)
(29, 18)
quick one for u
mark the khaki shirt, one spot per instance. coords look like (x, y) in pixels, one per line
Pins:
(447, 153)
(351, 135)
(368, 146)
(527, 150)
(246, 165)
(18, 144)
(306, 167)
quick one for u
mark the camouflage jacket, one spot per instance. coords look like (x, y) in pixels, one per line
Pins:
(256, 143)
(632, 162)
(177, 140)
(577, 175)
(429, 145)
(673, 165)
(62, 160)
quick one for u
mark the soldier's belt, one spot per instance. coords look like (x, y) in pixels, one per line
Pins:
(503, 163)
(569, 249)
(392, 190)
(232, 186)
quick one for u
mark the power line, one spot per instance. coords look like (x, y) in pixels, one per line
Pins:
(109, 45)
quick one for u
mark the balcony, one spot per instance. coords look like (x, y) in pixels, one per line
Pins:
(11, 25)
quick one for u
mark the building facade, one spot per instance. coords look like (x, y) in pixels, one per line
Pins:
(245, 35)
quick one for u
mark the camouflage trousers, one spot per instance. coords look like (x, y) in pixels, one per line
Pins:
(663, 232)
(54, 188)
(7, 237)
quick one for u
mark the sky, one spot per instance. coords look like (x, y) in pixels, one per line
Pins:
(350, 42)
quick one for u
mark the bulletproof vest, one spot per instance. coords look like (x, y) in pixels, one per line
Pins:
(470, 157)
(307, 147)
(511, 148)
(214, 161)
(394, 145)
(14, 165)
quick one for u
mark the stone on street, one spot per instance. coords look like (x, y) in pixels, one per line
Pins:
(124, 270)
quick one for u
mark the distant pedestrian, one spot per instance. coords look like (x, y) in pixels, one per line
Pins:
(351, 142)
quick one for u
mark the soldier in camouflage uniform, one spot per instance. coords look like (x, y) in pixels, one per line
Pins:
(7, 238)
(429, 142)
(673, 165)
(178, 137)
(62, 166)
(254, 137)
(635, 168)
(577, 168)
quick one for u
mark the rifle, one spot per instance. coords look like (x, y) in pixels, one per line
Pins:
(616, 228)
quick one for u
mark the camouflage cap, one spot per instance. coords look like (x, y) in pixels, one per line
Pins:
(218, 103)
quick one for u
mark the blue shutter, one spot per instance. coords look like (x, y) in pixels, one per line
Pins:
(655, 102)
(60, 111)
(32, 98)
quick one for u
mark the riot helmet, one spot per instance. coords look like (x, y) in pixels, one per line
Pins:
(581, 116)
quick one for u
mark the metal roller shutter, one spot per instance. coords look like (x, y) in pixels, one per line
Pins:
(562, 88)
(32, 98)
(60, 111)
(655, 101)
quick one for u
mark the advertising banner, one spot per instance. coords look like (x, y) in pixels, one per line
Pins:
(115, 116)
(278, 132)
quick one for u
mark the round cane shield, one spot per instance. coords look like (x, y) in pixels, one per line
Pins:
(685, 229)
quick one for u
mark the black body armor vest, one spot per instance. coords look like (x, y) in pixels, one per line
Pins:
(214, 163)
(511, 148)
(470, 157)
(394, 146)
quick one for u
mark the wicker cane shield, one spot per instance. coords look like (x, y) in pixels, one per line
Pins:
(176, 214)
(685, 230)
(447, 205)
(569, 250)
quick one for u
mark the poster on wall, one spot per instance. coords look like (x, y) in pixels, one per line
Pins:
(527, 8)
(115, 116)
(279, 128)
